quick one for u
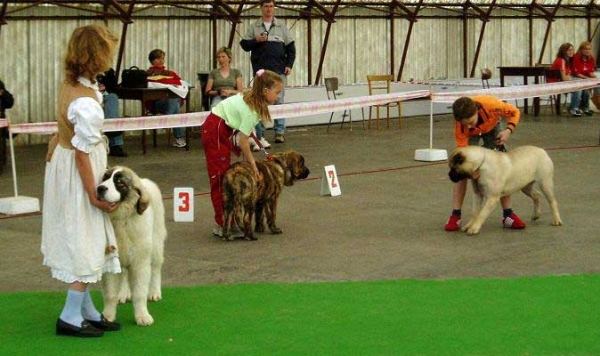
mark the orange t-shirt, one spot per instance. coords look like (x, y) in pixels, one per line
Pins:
(488, 115)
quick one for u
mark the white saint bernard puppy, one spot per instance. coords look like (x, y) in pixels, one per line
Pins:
(139, 224)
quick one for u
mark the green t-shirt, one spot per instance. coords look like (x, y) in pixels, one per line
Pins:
(237, 114)
(224, 83)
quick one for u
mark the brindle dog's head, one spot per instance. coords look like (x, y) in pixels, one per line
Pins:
(293, 164)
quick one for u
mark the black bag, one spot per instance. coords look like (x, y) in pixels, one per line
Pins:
(134, 78)
(109, 80)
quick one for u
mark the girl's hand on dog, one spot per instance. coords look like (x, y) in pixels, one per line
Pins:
(104, 205)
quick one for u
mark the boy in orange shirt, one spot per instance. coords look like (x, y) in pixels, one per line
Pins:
(478, 118)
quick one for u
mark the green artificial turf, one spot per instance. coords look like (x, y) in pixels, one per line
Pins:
(557, 315)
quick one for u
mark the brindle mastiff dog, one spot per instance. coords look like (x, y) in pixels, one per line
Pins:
(497, 174)
(244, 194)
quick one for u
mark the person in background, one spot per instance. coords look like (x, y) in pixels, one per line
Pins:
(584, 67)
(563, 61)
(6, 100)
(107, 82)
(239, 113)
(78, 239)
(478, 119)
(166, 106)
(272, 47)
(224, 82)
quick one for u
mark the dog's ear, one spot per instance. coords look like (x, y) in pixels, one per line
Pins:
(143, 196)
(283, 160)
(457, 159)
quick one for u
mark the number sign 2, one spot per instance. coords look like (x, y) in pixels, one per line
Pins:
(183, 204)
(330, 184)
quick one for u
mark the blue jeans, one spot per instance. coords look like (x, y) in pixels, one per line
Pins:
(279, 125)
(215, 100)
(111, 111)
(580, 100)
(170, 107)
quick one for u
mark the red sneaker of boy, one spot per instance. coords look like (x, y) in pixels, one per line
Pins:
(453, 223)
(512, 221)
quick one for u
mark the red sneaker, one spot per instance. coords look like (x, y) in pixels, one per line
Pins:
(453, 223)
(512, 221)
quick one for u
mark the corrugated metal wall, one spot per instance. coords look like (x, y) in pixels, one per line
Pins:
(32, 51)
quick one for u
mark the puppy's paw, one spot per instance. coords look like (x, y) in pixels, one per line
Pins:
(144, 319)
(276, 231)
(109, 315)
(557, 223)
(535, 216)
(259, 228)
(124, 298)
(472, 231)
(155, 296)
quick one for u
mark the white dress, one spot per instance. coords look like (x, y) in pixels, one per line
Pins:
(74, 232)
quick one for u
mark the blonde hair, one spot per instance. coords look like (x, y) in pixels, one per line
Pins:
(225, 50)
(90, 52)
(255, 97)
(582, 45)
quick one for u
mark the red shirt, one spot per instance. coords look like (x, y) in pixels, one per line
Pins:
(560, 63)
(583, 65)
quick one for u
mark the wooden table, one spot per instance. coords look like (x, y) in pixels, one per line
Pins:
(143, 95)
(525, 72)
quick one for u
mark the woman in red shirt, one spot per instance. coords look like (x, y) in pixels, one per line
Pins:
(563, 62)
(584, 67)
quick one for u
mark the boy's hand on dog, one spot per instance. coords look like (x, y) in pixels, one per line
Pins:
(503, 137)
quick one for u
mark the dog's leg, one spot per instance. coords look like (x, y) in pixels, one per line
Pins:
(547, 187)
(228, 207)
(139, 280)
(271, 214)
(259, 223)
(124, 293)
(154, 292)
(531, 192)
(248, 215)
(110, 291)
(488, 203)
(476, 204)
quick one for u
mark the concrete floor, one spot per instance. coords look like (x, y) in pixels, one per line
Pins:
(387, 224)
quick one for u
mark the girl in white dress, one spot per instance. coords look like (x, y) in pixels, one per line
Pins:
(78, 240)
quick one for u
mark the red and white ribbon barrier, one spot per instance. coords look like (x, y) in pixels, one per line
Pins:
(327, 106)
(520, 91)
(293, 110)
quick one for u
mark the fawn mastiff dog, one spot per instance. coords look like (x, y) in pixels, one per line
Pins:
(496, 174)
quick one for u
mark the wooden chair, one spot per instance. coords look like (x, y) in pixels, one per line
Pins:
(381, 84)
(332, 87)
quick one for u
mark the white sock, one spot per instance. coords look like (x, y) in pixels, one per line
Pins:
(71, 312)
(88, 310)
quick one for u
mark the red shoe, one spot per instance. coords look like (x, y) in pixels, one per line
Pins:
(512, 221)
(453, 223)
